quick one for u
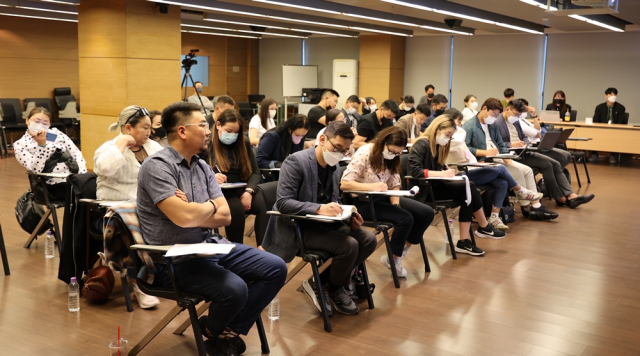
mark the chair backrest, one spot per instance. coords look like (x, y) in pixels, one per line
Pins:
(62, 96)
(574, 115)
(404, 170)
(246, 110)
(269, 193)
(61, 91)
(12, 111)
(44, 102)
(256, 98)
(626, 119)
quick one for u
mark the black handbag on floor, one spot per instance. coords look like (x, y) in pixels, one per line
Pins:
(509, 214)
(29, 214)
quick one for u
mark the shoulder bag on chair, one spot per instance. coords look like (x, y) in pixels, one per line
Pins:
(29, 214)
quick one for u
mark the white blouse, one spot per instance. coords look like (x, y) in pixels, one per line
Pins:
(255, 123)
(117, 171)
(33, 157)
(468, 114)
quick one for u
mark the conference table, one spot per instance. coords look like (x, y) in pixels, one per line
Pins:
(605, 137)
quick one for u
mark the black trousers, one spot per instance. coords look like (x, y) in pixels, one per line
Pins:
(457, 191)
(235, 230)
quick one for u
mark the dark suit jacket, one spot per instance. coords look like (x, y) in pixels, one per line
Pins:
(602, 114)
(348, 120)
(297, 195)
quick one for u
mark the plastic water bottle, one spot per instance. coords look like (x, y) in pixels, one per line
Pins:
(74, 295)
(274, 308)
(567, 116)
(49, 248)
(452, 229)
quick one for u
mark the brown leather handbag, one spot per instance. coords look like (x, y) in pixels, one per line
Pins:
(98, 285)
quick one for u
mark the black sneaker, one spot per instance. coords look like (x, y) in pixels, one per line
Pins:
(236, 342)
(541, 213)
(342, 303)
(465, 246)
(490, 232)
(310, 288)
(525, 211)
(203, 326)
(219, 347)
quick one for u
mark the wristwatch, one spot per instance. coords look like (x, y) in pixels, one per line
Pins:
(250, 191)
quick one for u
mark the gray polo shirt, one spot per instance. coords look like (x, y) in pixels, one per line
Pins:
(158, 179)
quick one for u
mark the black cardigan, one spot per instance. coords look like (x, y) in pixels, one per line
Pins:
(420, 158)
(602, 114)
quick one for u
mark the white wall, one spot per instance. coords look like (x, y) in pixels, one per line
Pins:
(426, 62)
(584, 65)
(274, 52)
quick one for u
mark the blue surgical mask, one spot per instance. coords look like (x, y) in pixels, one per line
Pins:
(228, 138)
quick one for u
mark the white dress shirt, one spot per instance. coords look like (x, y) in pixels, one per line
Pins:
(117, 171)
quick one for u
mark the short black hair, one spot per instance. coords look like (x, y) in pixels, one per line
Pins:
(353, 99)
(610, 91)
(524, 101)
(392, 105)
(454, 113)
(439, 99)
(429, 86)
(339, 128)
(408, 99)
(509, 93)
(330, 91)
(177, 114)
(225, 99)
(368, 100)
(332, 115)
(197, 82)
(517, 105)
(424, 108)
(468, 97)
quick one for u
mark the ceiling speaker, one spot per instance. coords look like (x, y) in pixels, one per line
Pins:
(453, 23)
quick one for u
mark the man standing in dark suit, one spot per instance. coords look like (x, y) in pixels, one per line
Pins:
(609, 112)
(309, 184)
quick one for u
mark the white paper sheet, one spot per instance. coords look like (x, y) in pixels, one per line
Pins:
(346, 214)
(233, 185)
(205, 249)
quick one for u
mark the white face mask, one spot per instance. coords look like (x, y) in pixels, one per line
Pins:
(513, 119)
(442, 140)
(408, 108)
(372, 107)
(34, 127)
(388, 155)
(457, 139)
(331, 158)
(351, 111)
(272, 113)
(490, 120)
(612, 99)
(473, 105)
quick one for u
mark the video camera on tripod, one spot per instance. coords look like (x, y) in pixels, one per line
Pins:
(189, 60)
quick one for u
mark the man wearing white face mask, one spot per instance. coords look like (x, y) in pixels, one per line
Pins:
(309, 183)
(208, 105)
(350, 111)
(609, 112)
(471, 104)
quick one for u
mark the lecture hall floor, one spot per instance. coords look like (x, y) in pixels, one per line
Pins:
(569, 287)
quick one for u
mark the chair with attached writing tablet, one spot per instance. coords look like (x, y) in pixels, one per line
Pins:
(38, 184)
(575, 156)
(184, 300)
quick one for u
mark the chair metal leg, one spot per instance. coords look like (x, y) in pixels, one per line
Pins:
(586, 170)
(423, 248)
(34, 234)
(264, 343)
(575, 166)
(3, 251)
(193, 315)
(325, 315)
(201, 309)
(365, 277)
(56, 231)
(127, 294)
(5, 144)
(156, 330)
(394, 272)
(449, 236)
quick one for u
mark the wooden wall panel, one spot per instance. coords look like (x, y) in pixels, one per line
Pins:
(146, 88)
(375, 83)
(103, 82)
(163, 42)
(396, 84)
(237, 52)
(109, 40)
(95, 132)
(237, 84)
(397, 52)
(375, 51)
(217, 81)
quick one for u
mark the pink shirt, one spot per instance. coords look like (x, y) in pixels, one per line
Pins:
(360, 170)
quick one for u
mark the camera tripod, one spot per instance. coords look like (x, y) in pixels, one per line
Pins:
(187, 75)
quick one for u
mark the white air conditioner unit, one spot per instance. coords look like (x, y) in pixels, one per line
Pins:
(345, 79)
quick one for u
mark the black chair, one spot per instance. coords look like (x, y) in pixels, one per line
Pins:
(38, 184)
(246, 111)
(626, 119)
(11, 119)
(575, 156)
(573, 115)
(184, 300)
(317, 258)
(256, 98)
(68, 109)
(3, 253)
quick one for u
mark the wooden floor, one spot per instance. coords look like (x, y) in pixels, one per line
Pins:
(568, 287)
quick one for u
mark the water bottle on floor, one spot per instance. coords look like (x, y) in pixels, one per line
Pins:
(49, 248)
(452, 229)
(274, 308)
(74, 295)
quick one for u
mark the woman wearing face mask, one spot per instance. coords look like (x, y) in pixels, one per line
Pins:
(35, 151)
(232, 158)
(471, 104)
(406, 106)
(427, 160)
(285, 139)
(560, 104)
(263, 121)
(376, 167)
(158, 133)
(332, 115)
(368, 105)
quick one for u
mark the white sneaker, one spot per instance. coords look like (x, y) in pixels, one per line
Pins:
(497, 223)
(145, 301)
(526, 194)
(399, 269)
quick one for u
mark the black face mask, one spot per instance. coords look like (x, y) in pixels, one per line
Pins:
(559, 101)
(329, 107)
(430, 96)
(439, 112)
(160, 132)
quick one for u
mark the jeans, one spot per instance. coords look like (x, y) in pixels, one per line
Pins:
(411, 219)
(239, 285)
(499, 177)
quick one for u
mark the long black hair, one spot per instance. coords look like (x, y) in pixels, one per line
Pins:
(286, 129)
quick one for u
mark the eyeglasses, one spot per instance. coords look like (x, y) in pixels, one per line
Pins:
(140, 112)
(203, 125)
(346, 153)
(391, 151)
